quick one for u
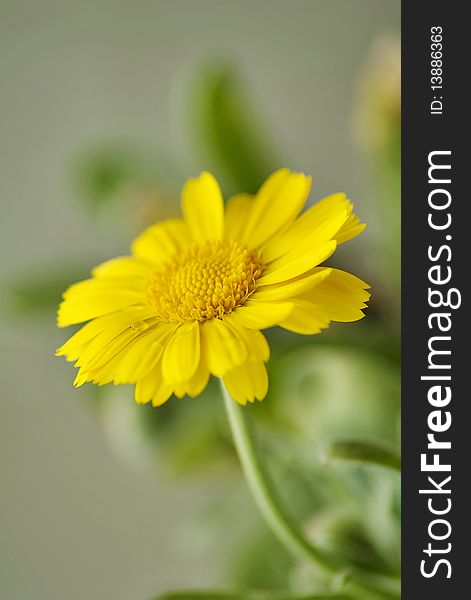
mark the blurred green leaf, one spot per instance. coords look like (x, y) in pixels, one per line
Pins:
(258, 563)
(346, 538)
(104, 172)
(41, 292)
(336, 393)
(227, 132)
(365, 452)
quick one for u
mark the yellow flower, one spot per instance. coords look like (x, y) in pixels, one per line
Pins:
(193, 296)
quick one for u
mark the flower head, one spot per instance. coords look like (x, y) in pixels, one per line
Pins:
(192, 298)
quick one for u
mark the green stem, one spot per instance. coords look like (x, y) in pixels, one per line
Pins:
(271, 508)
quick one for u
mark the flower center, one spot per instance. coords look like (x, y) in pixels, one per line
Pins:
(204, 282)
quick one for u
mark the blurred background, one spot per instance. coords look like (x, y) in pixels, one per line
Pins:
(106, 108)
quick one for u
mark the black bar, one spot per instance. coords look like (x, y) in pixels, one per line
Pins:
(425, 130)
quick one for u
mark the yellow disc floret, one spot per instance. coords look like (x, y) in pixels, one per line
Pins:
(204, 282)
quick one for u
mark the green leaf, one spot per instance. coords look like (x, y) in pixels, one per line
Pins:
(104, 172)
(365, 452)
(346, 538)
(226, 131)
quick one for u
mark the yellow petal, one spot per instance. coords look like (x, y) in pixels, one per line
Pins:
(247, 382)
(309, 230)
(195, 385)
(81, 378)
(102, 356)
(94, 298)
(293, 287)
(83, 289)
(182, 354)
(260, 315)
(162, 393)
(199, 380)
(237, 213)
(160, 241)
(306, 318)
(153, 388)
(255, 341)
(142, 353)
(144, 389)
(97, 349)
(114, 322)
(300, 260)
(123, 266)
(351, 228)
(203, 208)
(341, 296)
(223, 346)
(276, 204)
(180, 389)
(326, 208)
